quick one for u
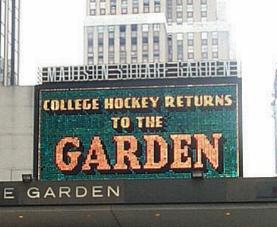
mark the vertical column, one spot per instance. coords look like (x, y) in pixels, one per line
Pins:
(0, 28)
(6, 44)
(174, 47)
(130, 8)
(95, 45)
(197, 11)
(185, 46)
(18, 41)
(197, 45)
(118, 7)
(85, 45)
(223, 45)
(215, 10)
(116, 45)
(12, 80)
(163, 43)
(139, 44)
(108, 7)
(141, 8)
(128, 44)
(106, 45)
(150, 43)
(151, 6)
(88, 7)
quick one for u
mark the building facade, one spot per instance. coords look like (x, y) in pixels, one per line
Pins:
(16, 132)
(274, 107)
(9, 42)
(134, 31)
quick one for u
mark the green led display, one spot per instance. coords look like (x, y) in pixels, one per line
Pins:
(159, 132)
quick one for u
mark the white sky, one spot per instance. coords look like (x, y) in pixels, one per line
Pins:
(52, 35)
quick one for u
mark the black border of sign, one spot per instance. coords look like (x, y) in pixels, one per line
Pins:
(133, 83)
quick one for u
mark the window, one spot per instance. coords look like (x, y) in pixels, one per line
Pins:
(124, 6)
(156, 55)
(102, 11)
(111, 45)
(190, 39)
(100, 39)
(100, 58)
(145, 57)
(111, 58)
(157, 5)
(190, 52)
(204, 48)
(134, 41)
(204, 42)
(135, 6)
(111, 38)
(170, 54)
(146, 6)
(134, 28)
(204, 55)
(134, 56)
(122, 28)
(189, 14)
(215, 55)
(204, 14)
(100, 28)
(145, 27)
(191, 55)
(113, 7)
(90, 60)
(179, 14)
(122, 57)
(92, 12)
(145, 37)
(204, 38)
(169, 11)
(156, 39)
(180, 48)
(214, 38)
(156, 27)
(122, 41)
(122, 37)
(90, 42)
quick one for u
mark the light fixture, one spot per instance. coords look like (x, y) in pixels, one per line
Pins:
(228, 214)
(197, 174)
(27, 178)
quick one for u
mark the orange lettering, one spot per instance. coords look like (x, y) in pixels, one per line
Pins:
(181, 153)
(150, 152)
(211, 152)
(73, 155)
(96, 150)
(126, 147)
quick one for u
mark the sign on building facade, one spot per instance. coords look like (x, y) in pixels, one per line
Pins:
(151, 129)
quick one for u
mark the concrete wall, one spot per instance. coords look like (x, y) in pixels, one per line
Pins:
(16, 132)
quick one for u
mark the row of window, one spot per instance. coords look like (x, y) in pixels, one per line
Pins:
(181, 14)
(145, 57)
(123, 7)
(145, 37)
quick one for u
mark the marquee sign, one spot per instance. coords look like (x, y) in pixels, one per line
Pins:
(127, 130)
(189, 69)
